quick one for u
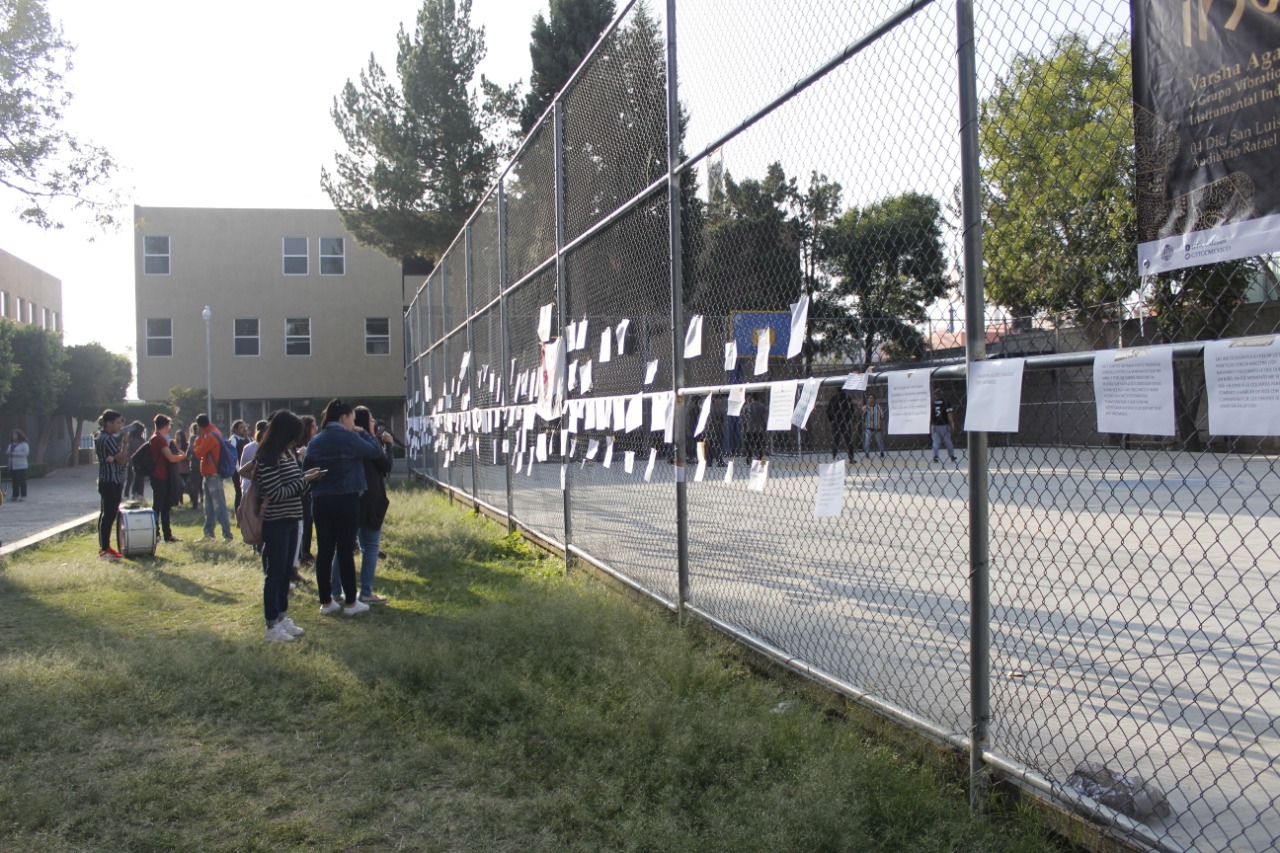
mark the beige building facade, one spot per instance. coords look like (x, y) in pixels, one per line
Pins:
(28, 294)
(299, 312)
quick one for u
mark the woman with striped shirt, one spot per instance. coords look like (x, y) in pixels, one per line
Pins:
(111, 459)
(281, 484)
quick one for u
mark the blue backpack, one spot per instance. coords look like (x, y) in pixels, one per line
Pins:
(226, 459)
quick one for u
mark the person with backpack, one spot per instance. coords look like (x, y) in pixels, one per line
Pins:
(280, 483)
(111, 466)
(216, 456)
(162, 456)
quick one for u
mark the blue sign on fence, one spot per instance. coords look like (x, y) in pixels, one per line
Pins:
(746, 331)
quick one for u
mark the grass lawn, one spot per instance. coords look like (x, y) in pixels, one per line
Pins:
(492, 705)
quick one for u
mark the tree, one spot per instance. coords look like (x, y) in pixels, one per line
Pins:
(557, 47)
(420, 152)
(40, 380)
(40, 161)
(890, 263)
(8, 367)
(1056, 139)
(185, 403)
(97, 379)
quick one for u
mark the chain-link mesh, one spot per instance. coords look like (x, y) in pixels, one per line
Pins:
(1133, 624)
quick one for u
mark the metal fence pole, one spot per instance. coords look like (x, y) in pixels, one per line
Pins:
(504, 321)
(562, 303)
(975, 350)
(677, 311)
(471, 348)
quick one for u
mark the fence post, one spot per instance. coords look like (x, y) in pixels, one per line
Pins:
(504, 321)
(677, 312)
(975, 350)
(471, 370)
(562, 305)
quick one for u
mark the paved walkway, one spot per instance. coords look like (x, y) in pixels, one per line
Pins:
(65, 497)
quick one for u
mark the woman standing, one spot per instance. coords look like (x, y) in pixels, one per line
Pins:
(161, 491)
(18, 452)
(338, 450)
(281, 485)
(306, 558)
(373, 509)
(111, 462)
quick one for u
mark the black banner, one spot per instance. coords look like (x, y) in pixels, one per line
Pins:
(1206, 90)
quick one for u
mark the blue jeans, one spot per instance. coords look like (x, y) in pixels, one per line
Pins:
(369, 541)
(279, 541)
(869, 435)
(942, 435)
(215, 506)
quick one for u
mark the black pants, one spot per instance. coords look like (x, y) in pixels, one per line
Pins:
(842, 433)
(161, 492)
(308, 524)
(19, 482)
(235, 481)
(110, 508)
(337, 517)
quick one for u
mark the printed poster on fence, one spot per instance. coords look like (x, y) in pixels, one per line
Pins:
(1206, 91)
(1242, 377)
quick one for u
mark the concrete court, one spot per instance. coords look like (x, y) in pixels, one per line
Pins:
(1134, 622)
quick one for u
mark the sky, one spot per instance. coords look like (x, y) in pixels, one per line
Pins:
(215, 106)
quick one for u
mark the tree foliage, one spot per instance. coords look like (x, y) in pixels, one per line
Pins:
(421, 150)
(557, 45)
(96, 380)
(42, 376)
(8, 367)
(1056, 139)
(185, 403)
(41, 162)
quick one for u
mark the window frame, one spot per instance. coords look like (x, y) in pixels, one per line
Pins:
(286, 256)
(154, 337)
(373, 338)
(237, 337)
(328, 256)
(293, 338)
(167, 254)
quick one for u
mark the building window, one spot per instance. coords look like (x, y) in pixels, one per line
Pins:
(159, 336)
(297, 336)
(53, 315)
(18, 304)
(4, 303)
(333, 256)
(246, 336)
(377, 336)
(31, 312)
(295, 255)
(155, 255)
(44, 318)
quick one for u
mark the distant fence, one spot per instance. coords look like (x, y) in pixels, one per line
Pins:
(1089, 614)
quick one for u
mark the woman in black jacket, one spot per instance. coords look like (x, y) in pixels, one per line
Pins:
(373, 510)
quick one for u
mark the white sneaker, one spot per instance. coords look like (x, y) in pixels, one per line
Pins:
(290, 626)
(332, 607)
(355, 608)
(277, 634)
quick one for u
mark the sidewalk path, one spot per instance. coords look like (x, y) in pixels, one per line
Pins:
(63, 496)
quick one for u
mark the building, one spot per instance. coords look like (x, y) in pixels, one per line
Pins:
(299, 312)
(28, 294)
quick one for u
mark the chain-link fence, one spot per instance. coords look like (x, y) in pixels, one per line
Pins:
(616, 352)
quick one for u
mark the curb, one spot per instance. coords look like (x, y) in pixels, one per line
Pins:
(73, 526)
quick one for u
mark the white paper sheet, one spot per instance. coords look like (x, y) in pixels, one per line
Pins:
(608, 453)
(1243, 381)
(804, 406)
(606, 346)
(582, 334)
(466, 362)
(519, 462)
(764, 340)
(619, 413)
(1133, 390)
(703, 414)
(653, 458)
(530, 417)
(506, 446)
(635, 412)
(603, 409)
(828, 502)
(909, 402)
(573, 448)
(855, 382)
(584, 377)
(730, 355)
(571, 336)
(737, 396)
(759, 475)
(544, 321)
(994, 398)
(782, 402)
(621, 334)
(728, 471)
(593, 447)
(650, 372)
(693, 337)
(658, 411)
(701, 471)
(564, 476)
(799, 321)
(572, 382)
(629, 461)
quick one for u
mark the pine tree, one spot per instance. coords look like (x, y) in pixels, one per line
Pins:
(557, 46)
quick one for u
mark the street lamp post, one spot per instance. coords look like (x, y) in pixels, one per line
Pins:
(208, 362)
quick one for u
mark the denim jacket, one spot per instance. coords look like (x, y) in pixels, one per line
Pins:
(340, 451)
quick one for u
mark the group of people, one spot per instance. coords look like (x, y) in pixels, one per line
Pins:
(332, 477)
(844, 414)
